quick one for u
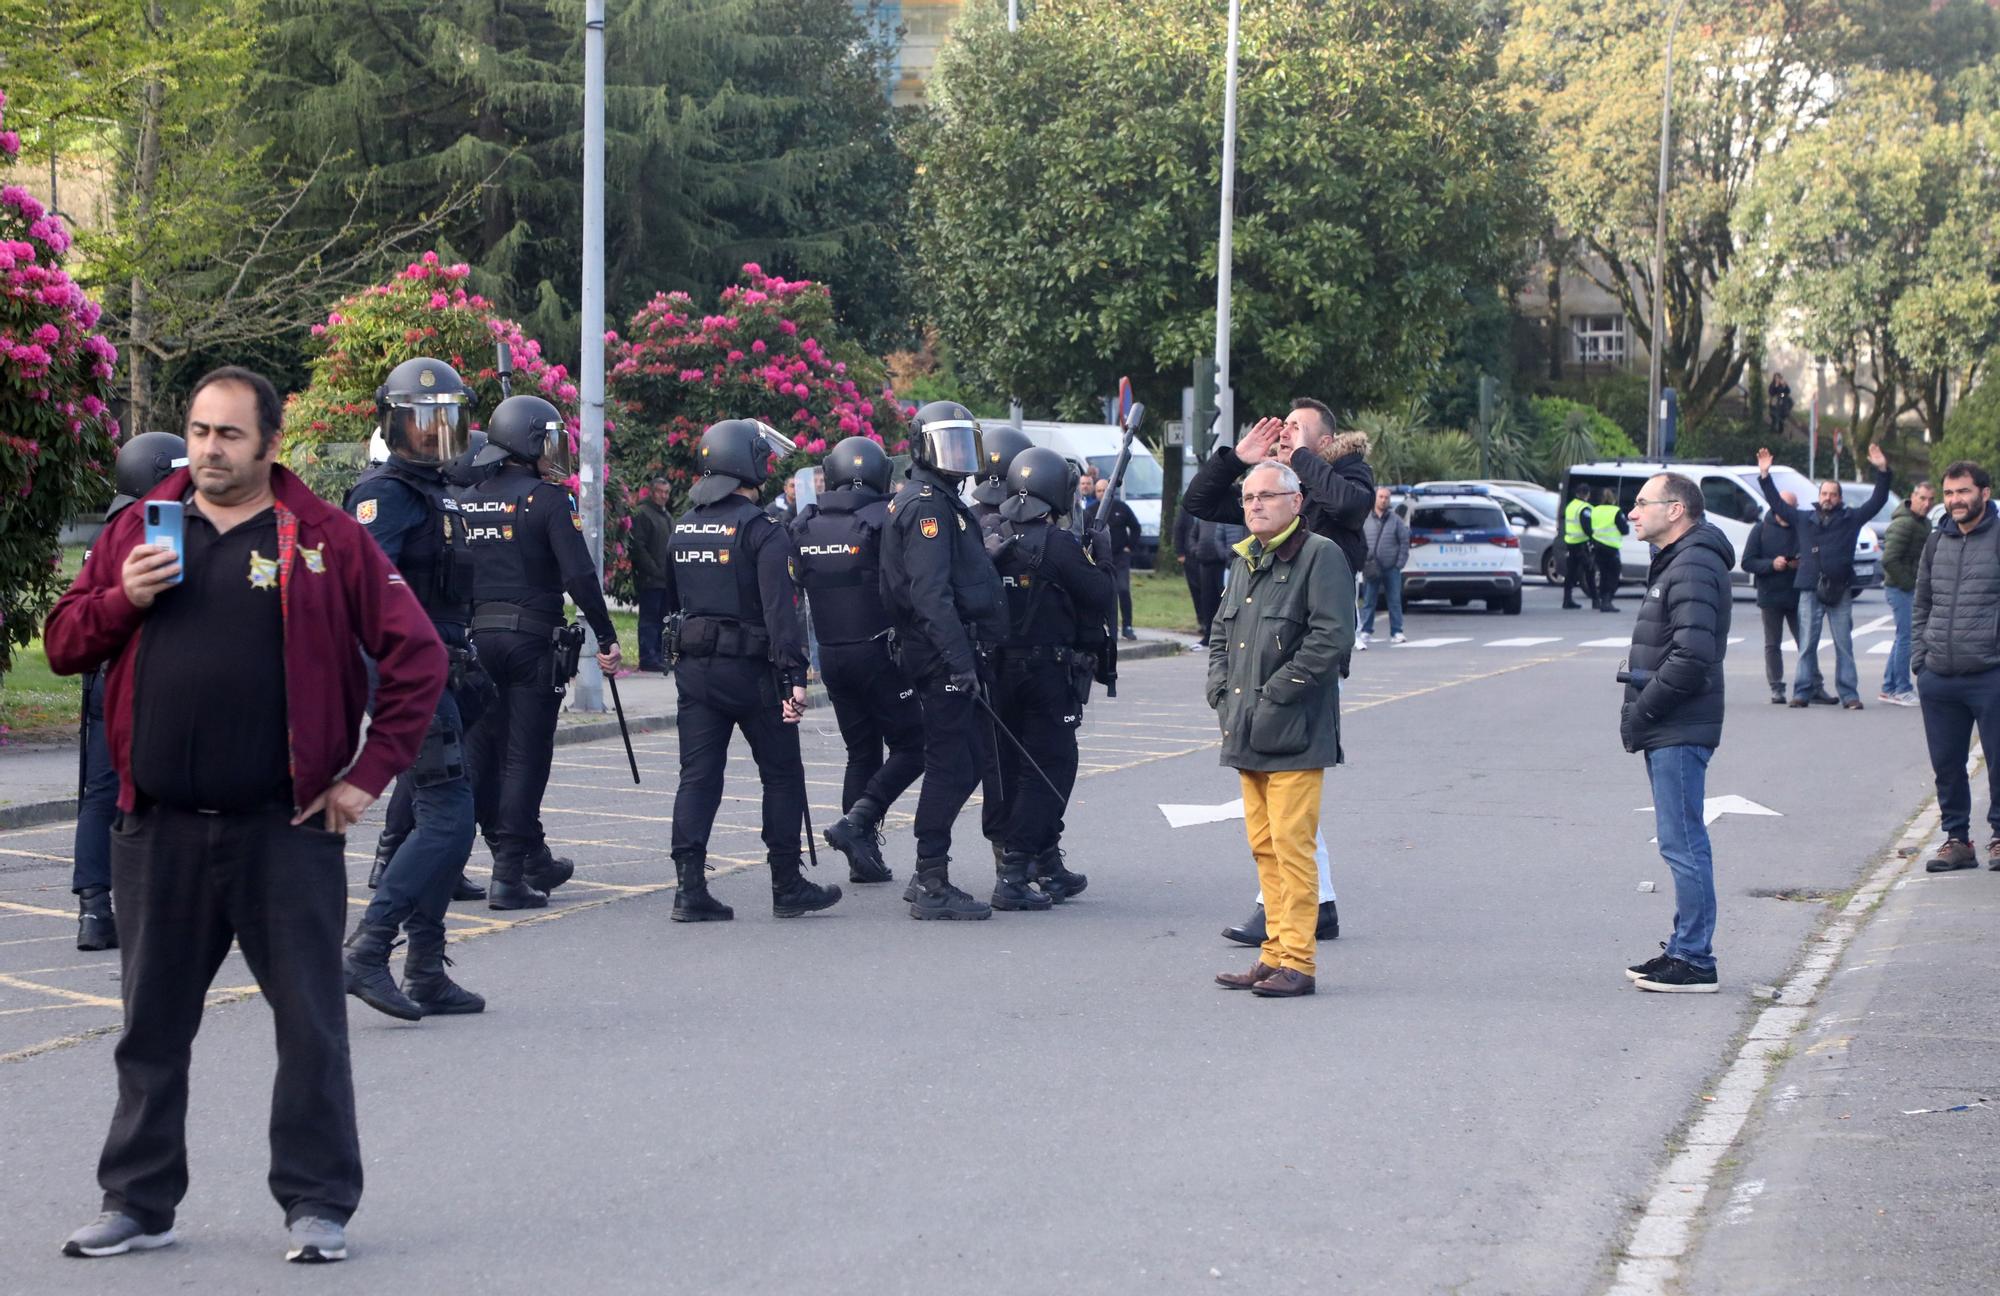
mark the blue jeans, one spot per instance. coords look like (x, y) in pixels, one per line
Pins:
(1392, 582)
(652, 628)
(1680, 777)
(416, 886)
(1896, 675)
(1954, 705)
(97, 802)
(1840, 617)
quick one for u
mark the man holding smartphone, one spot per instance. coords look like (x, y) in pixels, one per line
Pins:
(233, 710)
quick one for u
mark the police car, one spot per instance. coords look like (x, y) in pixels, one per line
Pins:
(1461, 548)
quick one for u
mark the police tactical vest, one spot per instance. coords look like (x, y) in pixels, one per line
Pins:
(436, 560)
(495, 515)
(715, 571)
(839, 568)
(1039, 610)
(1573, 522)
(1604, 525)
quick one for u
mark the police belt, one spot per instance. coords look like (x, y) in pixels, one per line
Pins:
(510, 617)
(716, 637)
(1061, 654)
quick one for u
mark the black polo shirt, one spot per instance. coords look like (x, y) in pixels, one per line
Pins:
(208, 702)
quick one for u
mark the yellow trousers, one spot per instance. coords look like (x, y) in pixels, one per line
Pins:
(1281, 810)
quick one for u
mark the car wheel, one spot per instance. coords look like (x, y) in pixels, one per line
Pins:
(1511, 605)
(1552, 566)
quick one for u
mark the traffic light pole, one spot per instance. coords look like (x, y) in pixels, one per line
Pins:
(1224, 396)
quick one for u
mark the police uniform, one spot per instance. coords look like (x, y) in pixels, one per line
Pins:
(839, 540)
(1058, 600)
(1578, 568)
(1607, 535)
(739, 650)
(528, 550)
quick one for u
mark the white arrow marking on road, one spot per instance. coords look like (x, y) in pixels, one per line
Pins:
(1879, 623)
(1882, 649)
(1713, 808)
(1529, 642)
(1433, 643)
(1737, 639)
(1607, 643)
(1187, 816)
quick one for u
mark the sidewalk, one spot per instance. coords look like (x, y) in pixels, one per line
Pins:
(38, 781)
(1872, 1162)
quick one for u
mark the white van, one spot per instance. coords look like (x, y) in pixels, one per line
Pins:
(1095, 445)
(1730, 498)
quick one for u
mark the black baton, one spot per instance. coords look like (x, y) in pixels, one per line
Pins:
(998, 727)
(611, 678)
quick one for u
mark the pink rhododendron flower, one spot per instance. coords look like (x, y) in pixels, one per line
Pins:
(10, 144)
(787, 327)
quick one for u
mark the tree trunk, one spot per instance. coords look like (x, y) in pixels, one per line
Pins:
(145, 186)
(1753, 382)
(1555, 257)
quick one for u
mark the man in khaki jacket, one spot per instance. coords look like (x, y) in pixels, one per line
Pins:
(1286, 621)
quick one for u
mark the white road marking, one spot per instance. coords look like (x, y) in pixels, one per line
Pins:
(1607, 643)
(1528, 642)
(1432, 643)
(1713, 808)
(1187, 816)
(1882, 649)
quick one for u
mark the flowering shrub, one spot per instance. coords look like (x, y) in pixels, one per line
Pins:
(424, 310)
(57, 436)
(770, 353)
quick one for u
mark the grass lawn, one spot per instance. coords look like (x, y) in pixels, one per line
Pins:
(37, 705)
(1160, 601)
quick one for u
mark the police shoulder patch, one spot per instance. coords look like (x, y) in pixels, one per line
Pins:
(365, 512)
(929, 528)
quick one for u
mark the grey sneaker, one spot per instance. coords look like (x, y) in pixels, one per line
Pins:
(316, 1240)
(114, 1233)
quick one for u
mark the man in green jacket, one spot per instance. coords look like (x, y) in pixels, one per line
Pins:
(650, 546)
(1274, 653)
(1902, 549)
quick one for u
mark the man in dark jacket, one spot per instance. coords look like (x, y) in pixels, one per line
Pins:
(650, 545)
(1956, 655)
(1199, 549)
(1826, 574)
(1673, 712)
(1124, 529)
(1902, 550)
(1771, 556)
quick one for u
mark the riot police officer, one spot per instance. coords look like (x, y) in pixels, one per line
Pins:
(143, 463)
(943, 597)
(998, 446)
(1057, 599)
(528, 550)
(839, 538)
(406, 505)
(739, 653)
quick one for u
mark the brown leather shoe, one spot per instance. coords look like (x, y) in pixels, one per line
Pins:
(1244, 980)
(1993, 855)
(1283, 984)
(1955, 854)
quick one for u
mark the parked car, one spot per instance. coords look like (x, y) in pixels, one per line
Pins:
(1461, 548)
(1095, 445)
(1535, 513)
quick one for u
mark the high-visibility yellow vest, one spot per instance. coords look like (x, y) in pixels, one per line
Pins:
(1573, 522)
(1604, 525)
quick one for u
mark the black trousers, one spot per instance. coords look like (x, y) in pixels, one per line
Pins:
(1579, 571)
(1607, 573)
(1121, 575)
(186, 884)
(1205, 587)
(874, 708)
(97, 795)
(1776, 620)
(957, 749)
(508, 752)
(1037, 707)
(1953, 706)
(719, 695)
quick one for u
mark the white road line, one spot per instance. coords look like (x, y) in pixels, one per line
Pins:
(1737, 639)
(1432, 643)
(1879, 623)
(1528, 642)
(1650, 1263)
(1882, 649)
(1607, 643)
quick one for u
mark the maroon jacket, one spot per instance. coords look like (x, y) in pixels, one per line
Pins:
(339, 597)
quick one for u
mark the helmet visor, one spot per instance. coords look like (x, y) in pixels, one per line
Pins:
(430, 432)
(558, 462)
(953, 447)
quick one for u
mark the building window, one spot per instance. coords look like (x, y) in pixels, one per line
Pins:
(1598, 339)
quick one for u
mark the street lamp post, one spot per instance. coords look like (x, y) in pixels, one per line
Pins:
(1014, 25)
(1654, 357)
(1225, 396)
(590, 680)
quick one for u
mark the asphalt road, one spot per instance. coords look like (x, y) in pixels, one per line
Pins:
(1476, 1101)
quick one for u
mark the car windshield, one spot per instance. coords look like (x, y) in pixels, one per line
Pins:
(1856, 494)
(1458, 517)
(1142, 475)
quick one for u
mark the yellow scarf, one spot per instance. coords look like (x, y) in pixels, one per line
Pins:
(1255, 552)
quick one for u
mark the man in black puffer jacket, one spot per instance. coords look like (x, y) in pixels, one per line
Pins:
(1955, 653)
(1673, 711)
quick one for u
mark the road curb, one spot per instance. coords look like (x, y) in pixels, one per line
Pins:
(33, 814)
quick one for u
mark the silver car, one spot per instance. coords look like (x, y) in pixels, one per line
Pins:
(1535, 513)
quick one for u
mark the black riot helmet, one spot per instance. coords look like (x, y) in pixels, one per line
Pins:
(999, 445)
(421, 410)
(735, 453)
(858, 461)
(1038, 486)
(531, 430)
(944, 437)
(143, 463)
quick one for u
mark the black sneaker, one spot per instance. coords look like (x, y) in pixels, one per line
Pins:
(1675, 977)
(1650, 966)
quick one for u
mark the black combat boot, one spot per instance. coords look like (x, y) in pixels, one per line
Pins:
(367, 969)
(857, 835)
(1250, 931)
(1329, 921)
(1055, 878)
(426, 984)
(1012, 889)
(792, 895)
(466, 889)
(692, 902)
(96, 928)
(509, 890)
(937, 898)
(545, 872)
